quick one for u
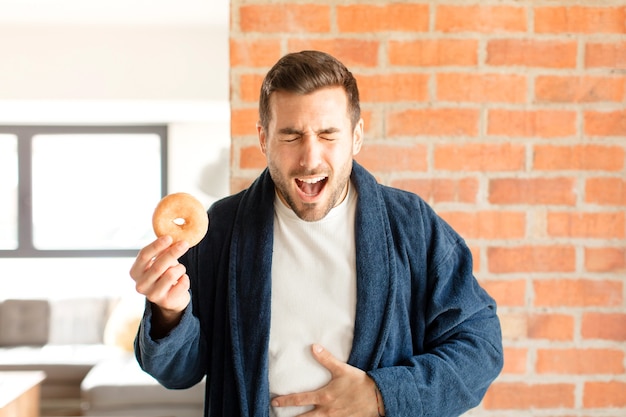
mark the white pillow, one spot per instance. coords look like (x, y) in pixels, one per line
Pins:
(122, 326)
(78, 320)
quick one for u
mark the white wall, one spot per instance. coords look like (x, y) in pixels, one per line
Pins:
(105, 73)
(104, 62)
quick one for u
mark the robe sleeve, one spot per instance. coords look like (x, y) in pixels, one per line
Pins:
(462, 347)
(176, 360)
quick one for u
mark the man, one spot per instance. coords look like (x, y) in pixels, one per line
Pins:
(317, 291)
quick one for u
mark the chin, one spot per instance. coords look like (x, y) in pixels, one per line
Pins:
(311, 214)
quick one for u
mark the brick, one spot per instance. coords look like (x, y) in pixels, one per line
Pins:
(388, 17)
(577, 293)
(558, 191)
(250, 87)
(515, 360)
(251, 157)
(605, 55)
(440, 190)
(578, 157)
(480, 88)
(522, 396)
(372, 122)
(531, 259)
(577, 19)
(393, 87)
(437, 122)
(605, 259)
(604, 326)
(606, 191)
(580, 361)
(531, 123)
(243, 121)
(609, 225)
(392, 158)
(507, 293)
(352, 52)
(478, 18)
(532, 53)
(605, 123)
(254, 52)
(292, 18)
(481, 157)
(579, 89)
(433, 52)
(240, 183)
(487, 224)
(514, 326)
(554, 327)
(601, 394)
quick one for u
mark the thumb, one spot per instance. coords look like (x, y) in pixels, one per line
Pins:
(326, 359)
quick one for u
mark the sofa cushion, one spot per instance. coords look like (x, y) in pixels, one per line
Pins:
(78, 320)
(24, 322)
(119, 383)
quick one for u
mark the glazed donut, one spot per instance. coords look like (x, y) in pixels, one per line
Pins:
(181, 216)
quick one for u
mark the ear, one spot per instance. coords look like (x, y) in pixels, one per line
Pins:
(357, 137)
(262, 136)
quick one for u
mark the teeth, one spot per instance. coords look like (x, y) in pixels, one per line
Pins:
(312, 180)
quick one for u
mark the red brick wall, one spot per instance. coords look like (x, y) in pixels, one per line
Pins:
(510, 118)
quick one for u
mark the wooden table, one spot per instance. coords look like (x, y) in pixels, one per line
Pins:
(20, 393)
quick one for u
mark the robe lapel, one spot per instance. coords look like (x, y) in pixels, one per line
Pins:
(375, 273)
(250, 294)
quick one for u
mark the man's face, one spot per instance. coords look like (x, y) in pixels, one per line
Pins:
(309, 145)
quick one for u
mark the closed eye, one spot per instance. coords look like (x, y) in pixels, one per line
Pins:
(330, 134)
(291, 135)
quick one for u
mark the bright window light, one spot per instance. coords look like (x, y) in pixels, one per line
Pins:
(8, 192)
(94, 191)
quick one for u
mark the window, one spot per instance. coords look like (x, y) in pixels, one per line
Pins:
(8, 192)
(79, 191)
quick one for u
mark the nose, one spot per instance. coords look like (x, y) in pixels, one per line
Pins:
(310, 152)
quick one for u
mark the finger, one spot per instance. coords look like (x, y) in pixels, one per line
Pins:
(327, 360)
(174, 297)
(147, 255)
(159, 278)
(293, 400)
(170, 278)
(169, 257)
(164, 268)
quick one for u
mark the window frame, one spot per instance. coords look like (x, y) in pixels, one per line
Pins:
(25, 133)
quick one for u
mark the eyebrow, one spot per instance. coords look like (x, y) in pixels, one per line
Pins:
(294, 131)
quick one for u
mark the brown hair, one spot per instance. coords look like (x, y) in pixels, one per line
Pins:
(304, 72)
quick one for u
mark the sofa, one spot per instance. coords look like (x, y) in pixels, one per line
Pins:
(137, 394)
(84, 346)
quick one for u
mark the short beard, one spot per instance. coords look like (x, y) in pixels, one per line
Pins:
(309, 212)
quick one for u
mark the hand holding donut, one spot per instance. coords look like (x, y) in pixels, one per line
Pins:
(160, 277)
(179, 221)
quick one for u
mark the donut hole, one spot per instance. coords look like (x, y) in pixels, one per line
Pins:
(179, 221)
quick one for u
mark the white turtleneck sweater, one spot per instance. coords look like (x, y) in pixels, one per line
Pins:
(313, 297)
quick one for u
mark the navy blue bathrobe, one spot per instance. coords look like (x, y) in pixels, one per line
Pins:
(425, 331)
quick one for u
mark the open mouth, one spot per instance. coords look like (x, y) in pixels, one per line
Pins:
(311, 187)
